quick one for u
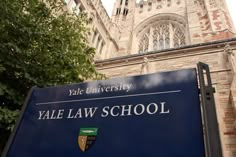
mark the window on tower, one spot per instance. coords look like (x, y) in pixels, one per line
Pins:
(163, 35)
(94, 36)
(125, 12)
(118, 11)
(126, 2)
(101, 48)
(98, 41)
(76, 2)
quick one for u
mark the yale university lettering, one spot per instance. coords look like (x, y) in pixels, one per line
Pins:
(100, 89)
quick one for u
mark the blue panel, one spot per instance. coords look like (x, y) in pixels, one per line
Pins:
(142, 116)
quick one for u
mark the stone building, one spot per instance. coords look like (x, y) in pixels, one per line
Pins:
(162, 35)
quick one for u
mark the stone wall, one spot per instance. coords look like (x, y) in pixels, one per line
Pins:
(203, 21)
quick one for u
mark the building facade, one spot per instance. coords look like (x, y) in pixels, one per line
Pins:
(162, 35)
(153, 25)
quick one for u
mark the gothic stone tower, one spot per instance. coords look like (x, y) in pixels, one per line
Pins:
(162, 24)
(123, 16)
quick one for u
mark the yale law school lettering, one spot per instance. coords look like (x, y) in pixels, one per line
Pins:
(114, 111)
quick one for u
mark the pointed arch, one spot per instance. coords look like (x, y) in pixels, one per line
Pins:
(161, 32)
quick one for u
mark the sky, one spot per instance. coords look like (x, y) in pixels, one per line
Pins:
(108, 4)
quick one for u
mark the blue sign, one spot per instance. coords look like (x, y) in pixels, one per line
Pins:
(141, 116)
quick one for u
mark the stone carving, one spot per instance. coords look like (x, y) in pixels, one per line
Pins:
(145, 66)
(231, 56)
(212, 3)
(228, 49)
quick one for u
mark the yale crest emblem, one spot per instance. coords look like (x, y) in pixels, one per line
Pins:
(86, 138)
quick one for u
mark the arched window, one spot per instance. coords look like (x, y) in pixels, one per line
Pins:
(163, 35)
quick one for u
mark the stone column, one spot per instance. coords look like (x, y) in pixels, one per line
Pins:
(145, 66)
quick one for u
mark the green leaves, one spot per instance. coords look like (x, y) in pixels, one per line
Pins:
(8, 117)
(40, 45)
(2, 68)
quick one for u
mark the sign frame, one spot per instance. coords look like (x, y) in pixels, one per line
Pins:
(209, 117)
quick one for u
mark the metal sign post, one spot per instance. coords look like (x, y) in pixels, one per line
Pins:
(212, 138)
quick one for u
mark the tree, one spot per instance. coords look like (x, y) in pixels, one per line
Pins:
(40, 45)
